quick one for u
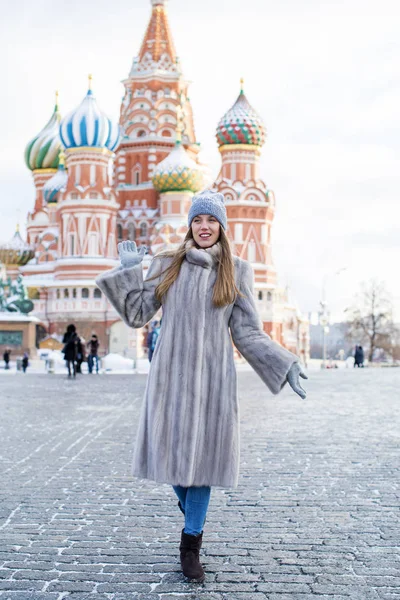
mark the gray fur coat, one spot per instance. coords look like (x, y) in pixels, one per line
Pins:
(188, 432)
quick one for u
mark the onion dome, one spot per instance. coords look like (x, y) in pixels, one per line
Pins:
(178, 172)
(56, 183)
(43, 150)
(88, 126)
(241, 124)
(16, 251)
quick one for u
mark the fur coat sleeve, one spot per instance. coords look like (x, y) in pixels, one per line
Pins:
(269, 360)
(132, 296)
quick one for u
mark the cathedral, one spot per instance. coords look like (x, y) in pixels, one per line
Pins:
(98, 182)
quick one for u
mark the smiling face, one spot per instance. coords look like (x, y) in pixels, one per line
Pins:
(205, 230)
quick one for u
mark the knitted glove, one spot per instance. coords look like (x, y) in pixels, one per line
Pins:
(295, 372)
(129, 255)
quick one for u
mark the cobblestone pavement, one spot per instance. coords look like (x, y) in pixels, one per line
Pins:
(316, 514)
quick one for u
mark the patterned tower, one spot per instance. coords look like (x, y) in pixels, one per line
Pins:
(41, 157)
(154, 92)
(87, 208)
(249, 203)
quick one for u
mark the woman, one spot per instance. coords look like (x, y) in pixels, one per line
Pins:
(70, 350)
(188, 433)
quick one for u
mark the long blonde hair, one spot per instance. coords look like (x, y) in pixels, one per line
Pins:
(225, 290)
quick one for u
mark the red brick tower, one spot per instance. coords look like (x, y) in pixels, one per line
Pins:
(87, 208)
(154, 91)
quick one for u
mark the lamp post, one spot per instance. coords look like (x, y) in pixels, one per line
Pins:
(324, 315)
(324, 322)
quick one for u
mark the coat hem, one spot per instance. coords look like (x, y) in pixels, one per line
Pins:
(168, 481)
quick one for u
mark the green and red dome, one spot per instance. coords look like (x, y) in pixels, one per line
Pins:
(43, 150)
(241, 125)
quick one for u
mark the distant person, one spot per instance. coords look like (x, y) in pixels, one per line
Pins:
(25, 362)
(359, 357)
(93, 345)
(70, 350)
(6, 358)
(80, 355)
(152, 338)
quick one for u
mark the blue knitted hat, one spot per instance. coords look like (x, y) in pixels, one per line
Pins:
(208, 203)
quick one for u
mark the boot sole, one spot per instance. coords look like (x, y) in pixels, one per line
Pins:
(191, 580)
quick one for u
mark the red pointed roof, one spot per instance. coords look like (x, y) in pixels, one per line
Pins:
(158, 39)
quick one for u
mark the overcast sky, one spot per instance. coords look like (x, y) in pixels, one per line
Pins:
(324, 76)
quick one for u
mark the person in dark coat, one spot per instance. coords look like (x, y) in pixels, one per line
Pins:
(93, 345)
(70, 350)
(359, 357)
(6, 358)
(25, 362)
(80, 355)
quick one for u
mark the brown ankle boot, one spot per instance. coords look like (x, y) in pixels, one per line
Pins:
(190, 556)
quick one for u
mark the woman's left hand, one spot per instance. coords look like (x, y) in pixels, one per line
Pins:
(293, 377)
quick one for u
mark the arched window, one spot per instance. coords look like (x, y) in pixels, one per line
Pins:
(74, 292)
(66, 293)
(119, 232)
(269, 296)
(58, 294)
(260, 295)
(131, 232)
(136, 175)
(97, 293)
(143, 230)
(166, 133)
(141, 133)
(85, 293)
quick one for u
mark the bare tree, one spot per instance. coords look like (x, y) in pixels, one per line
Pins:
(370, 319)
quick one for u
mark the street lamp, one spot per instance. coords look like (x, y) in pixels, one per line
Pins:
(324, 314)
(324, 322)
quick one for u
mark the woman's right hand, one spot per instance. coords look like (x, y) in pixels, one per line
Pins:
(129, 254)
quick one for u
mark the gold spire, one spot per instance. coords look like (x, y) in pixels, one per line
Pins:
(56, 99)
(17, 228)
(90, 78)
(241, 85)
(61, 159)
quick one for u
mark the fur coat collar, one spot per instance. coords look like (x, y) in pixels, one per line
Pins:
(207, 257)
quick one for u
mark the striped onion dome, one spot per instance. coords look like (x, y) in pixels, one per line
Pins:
(88, 126)
(43, 150)
(241, 125)
(178, 172)
(56, 183)
(16, 251)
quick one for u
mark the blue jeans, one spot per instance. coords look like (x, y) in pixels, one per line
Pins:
(194, 501)
(91, 359)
